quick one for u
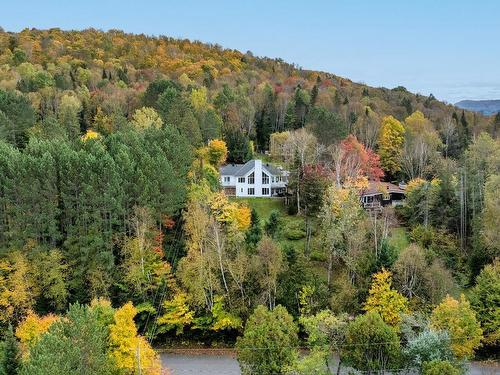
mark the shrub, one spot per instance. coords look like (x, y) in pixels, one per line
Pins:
(439, 368)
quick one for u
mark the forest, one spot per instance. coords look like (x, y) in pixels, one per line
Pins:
(115, 232)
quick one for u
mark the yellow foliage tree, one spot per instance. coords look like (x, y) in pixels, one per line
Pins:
(391, 141)
(31, 328)
(221, 318)
(387, 302)
(243, 217)
(199, 99)
(177, 314)
(90, 134)
(217, 152)
(146, 117)
(129, 351)
(460, 321)
(17, 292)
(103, 122)
(230, 213)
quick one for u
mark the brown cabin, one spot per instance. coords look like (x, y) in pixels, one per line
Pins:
(379, 194)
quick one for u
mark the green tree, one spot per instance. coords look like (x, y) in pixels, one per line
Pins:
(464, 133)
(326, 333)
(438, 367)
(238, 146)
(495, 125)
(485, 299)
(177, 314)
(10, 357)
(341, 226)
(268, 343)
(68, 115)
(269, 261)
(16, 117)
(371, 344)
(50, 274)
(491, 215)
(327, 126)
(254, 233)
(56, 353)
(272, 224)
(155, 89)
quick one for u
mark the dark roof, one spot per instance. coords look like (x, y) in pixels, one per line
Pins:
(239, 170)
(377, 187)
(275, 171)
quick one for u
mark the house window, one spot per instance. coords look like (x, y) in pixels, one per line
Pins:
(265, 191)
(227, 178)
(251, 178)
(265, 178)
(272, 179)
(251, 191)
(241, 180)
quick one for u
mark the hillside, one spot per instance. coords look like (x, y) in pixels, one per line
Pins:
(113, 216)
(110, 71)
(486, 107)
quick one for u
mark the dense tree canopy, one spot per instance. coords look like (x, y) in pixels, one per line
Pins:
(110, 148)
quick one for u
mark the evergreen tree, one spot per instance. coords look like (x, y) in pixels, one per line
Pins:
(11, 356)
(314, 95)
(16, 117)
(495, 127)
(406, 102)
(464, 132)
(272, 224)
(254, 233)
(75, 345)
(265, 118)
(238, 146)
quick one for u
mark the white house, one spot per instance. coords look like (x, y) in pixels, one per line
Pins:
(253, 179)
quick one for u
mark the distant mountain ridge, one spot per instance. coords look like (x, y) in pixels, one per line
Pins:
(486, 107)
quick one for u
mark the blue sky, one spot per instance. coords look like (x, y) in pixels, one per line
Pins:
(448, 47)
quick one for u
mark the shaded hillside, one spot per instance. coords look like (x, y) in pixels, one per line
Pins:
(486, 107)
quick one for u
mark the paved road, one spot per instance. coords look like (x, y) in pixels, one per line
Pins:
(205, 364)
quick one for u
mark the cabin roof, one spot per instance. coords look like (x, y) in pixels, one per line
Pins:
(378, 187)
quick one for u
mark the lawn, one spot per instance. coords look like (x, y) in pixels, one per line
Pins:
(292, 227)
(264, 206)
(399, 239)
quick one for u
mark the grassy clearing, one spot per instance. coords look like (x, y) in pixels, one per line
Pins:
(292, 228)
(264, 206)
(399, 239)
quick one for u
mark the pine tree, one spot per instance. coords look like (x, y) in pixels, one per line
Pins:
(272, 224)
(314, 95)
(496, 125)
(11, 359)
(464, 132)
(254, 233)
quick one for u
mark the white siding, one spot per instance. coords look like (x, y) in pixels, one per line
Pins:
(258, 185)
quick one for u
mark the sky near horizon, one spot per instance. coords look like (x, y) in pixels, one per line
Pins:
(450, 48)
